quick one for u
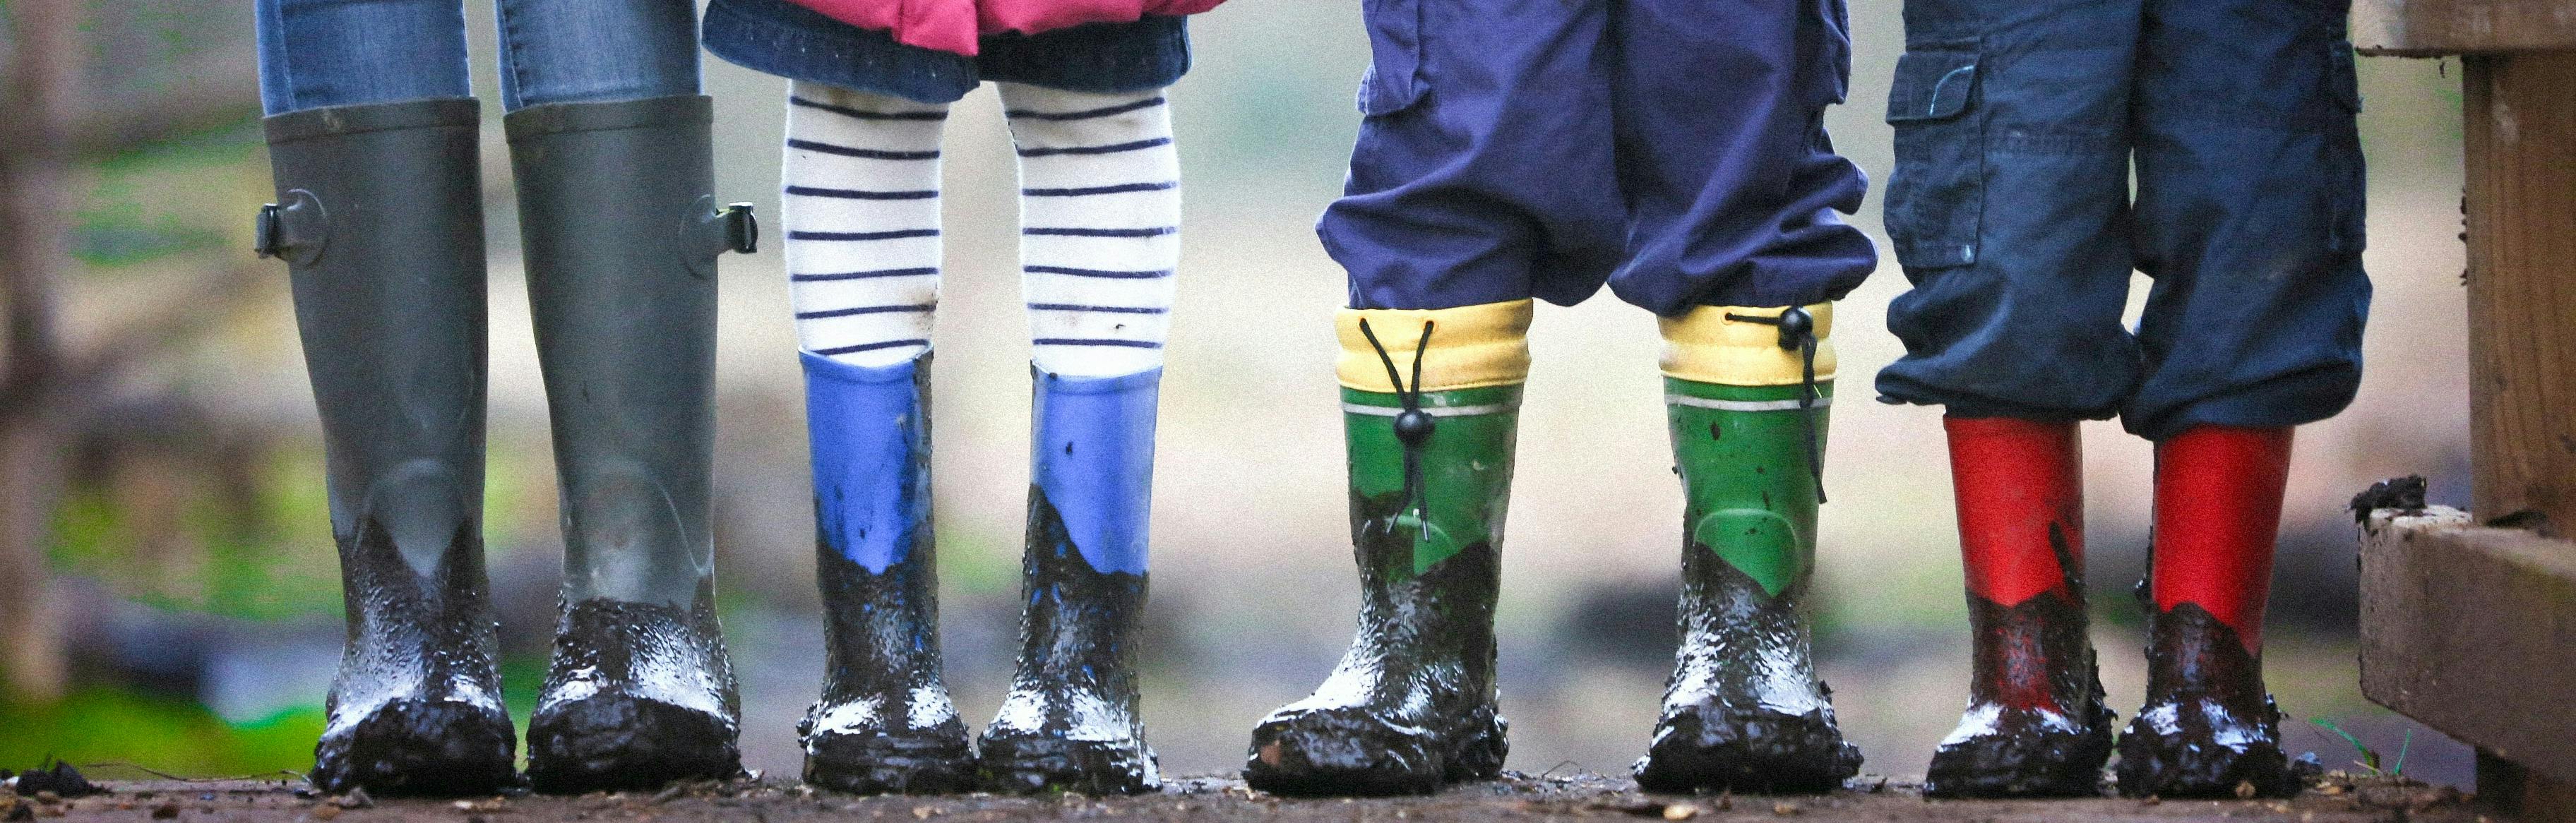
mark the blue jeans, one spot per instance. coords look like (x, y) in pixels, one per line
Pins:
(315, 53)
(1673, 149)
(2018, 123)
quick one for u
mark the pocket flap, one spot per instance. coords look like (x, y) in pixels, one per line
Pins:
(1932, 84)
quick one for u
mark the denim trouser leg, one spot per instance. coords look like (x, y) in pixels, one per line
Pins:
(2248, 215)
(315, 53)
(2016, 124)
(596, 51)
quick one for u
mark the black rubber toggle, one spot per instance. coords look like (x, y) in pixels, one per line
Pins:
(1413, 427)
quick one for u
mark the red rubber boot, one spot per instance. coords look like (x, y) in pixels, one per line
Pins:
(2036, 724)
(2208, 726)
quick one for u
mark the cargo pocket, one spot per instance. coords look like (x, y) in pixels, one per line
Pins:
(1936, 195)
(1393, 80)
(2345, 235)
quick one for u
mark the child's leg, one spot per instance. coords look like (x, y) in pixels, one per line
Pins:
(1100, 239)
(1733, 190)
(2249, 218)
(862, 215)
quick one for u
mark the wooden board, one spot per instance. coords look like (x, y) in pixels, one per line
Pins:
(2520, 151)
(2473, 631)
(2424, 28)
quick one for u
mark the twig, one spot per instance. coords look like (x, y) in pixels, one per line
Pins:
(126, 764)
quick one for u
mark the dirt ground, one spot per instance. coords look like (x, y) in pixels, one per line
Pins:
(1518, 797)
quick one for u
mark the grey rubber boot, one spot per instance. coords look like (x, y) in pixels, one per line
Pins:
(379, 216)
(621, 237)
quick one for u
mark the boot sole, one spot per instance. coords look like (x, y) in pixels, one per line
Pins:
(1320, 754)
(885, 764)
(420, 747)
(617, 742)
(1036, 765)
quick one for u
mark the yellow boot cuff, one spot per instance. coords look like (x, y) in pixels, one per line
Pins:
(1703, 346)
(1471, 346)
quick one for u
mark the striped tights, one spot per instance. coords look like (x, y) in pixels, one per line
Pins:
(1099, 215)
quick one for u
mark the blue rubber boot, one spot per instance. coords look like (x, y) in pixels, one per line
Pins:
(1070, 722)
(885, 723)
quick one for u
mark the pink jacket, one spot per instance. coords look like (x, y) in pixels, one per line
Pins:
(953, 25)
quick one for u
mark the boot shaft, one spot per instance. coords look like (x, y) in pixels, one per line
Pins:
(874, 555)
(380, 219)
(621, 235)
(1084, 569)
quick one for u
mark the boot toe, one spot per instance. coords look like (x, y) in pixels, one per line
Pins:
(936, 761)
(614, 742)
(1757, 751)
(2021, 754)
(1034, 764)
(419, 747)
(2188, 759)
(1353, 751)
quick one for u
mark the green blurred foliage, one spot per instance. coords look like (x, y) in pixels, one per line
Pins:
(101, 725)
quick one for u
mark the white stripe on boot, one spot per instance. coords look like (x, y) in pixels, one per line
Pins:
(1100, 216)
(862, 213)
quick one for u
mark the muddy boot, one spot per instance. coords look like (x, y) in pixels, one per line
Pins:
(1070, 722)
(1411, 706)
(1744, 710)
(621, 239)
(885, 723)
(379, 216)
(2208, 727)
(2036, 724)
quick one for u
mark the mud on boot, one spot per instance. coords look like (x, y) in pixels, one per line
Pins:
(1744, 710)
(2208, 725)
(638, 695)
(1070, 721)
(1410, 709)
(416, 706)
(2051, 745)
(885, 723)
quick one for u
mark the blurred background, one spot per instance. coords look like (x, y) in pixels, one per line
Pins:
(169, 595)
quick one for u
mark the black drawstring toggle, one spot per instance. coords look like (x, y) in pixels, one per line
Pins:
(1413, 426)
(1798, 334)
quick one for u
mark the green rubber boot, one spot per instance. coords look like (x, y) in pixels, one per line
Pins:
(1411, 707)
(1744, 710)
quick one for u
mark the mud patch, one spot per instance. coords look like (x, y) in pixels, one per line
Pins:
(1070, 720)
(638, 695)
(1744, 710)
(2037, 723)
(2208, 728)
(885, 722)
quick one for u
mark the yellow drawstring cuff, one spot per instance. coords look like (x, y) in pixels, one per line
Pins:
(1471, 346)
(1703, 346)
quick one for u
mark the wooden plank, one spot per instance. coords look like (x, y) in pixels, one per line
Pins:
(2424, 28)
(2521, 175)
(2472, 630)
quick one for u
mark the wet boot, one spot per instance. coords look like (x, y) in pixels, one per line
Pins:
(1744, 710)
(379, 215)
(2209, 729)
(1070, 722)
(885, 723)
(2036, 724)
(1411, 707)
(621, 238)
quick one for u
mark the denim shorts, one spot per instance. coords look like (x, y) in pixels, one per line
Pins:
(792, 41)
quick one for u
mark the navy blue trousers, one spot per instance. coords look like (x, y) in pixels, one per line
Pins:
(1674, 149)
(2017, 126)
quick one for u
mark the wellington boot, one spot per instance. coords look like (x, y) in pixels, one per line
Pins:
(1744, 710)
(621, 237)
(885, 723)
(2036, 724)
(1070, 721)
(1411, 707)
(379, 216)
(2208, 728)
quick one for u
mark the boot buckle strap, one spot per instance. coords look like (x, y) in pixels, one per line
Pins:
(708, 231)
(293, 230)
